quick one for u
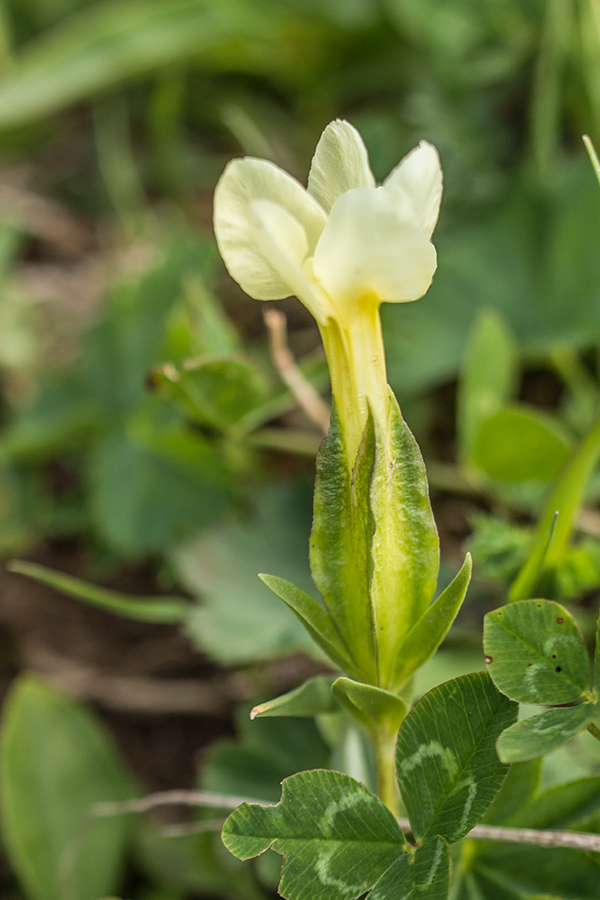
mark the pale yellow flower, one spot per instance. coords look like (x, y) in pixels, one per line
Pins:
(342, 246)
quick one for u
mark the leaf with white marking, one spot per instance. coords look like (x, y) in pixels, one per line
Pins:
(541, 734)
(337, 837)
(424, 875)
(535, 653)
(448, 769)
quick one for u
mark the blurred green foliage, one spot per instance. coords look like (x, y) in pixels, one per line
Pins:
(159, 436)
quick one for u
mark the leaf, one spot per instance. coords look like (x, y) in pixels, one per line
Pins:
(216, 392)
(422, 875)
(264, 753)
(520, 444)
(340, 539)
(336, 836)
(488, 377)
(520, 785)
(144, 609)
(519, 872)
(56, 762)
(315, 619)
(597, 658)
(427, 634)
(562, 806)
(535, 871)
(309, 699)
(237, 618)
(566, 499)
(115, 40)
(536, 653)
(405, 544)
(192, 865)
(371, 706)
(534, 737)
(145, 494)
(123, 347)
(448, 769)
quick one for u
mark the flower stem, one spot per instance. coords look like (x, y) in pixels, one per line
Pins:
(356, 358)
(594, 730)
(385, 760)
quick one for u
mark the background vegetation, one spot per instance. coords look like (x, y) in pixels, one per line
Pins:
(149, 443)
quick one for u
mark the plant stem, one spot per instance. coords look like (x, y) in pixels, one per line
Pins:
(594, 730)
(384, 743)
(579, 840)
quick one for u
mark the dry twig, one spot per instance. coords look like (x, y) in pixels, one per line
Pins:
(574, 840)
(309, 399)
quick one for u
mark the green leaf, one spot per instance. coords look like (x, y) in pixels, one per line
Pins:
(265, 752)
(427, 634)
(422, 875)
(520, 785)
(535, 873)
(520, 444)
(371, 706)
(448, 769)
(115, 40)
(144, 609)
(340, 539)
(562, 806)
(216, 392)
(565, 499)
(597, 659)
(538, 871)
(309, 699)
(56, 762)
(237, 618)
(488, 377)
(315, 619)
(405, 545)
(536, 653)
(336, 836)
(534, 737)
(150, 491)
(192, 865)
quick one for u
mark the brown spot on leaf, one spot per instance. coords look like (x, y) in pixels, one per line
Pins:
(560, 621)
(488, 660)
(558, 669)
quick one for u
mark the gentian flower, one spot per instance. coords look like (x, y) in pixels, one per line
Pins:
(342, 246)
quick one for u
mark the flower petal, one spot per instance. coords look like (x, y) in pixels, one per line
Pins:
(244, 226)
(419, 177)
(340, 163)
(372, 245)
(282, 240)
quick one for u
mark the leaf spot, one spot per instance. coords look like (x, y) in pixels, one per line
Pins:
(489, 660)
(560, 621)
